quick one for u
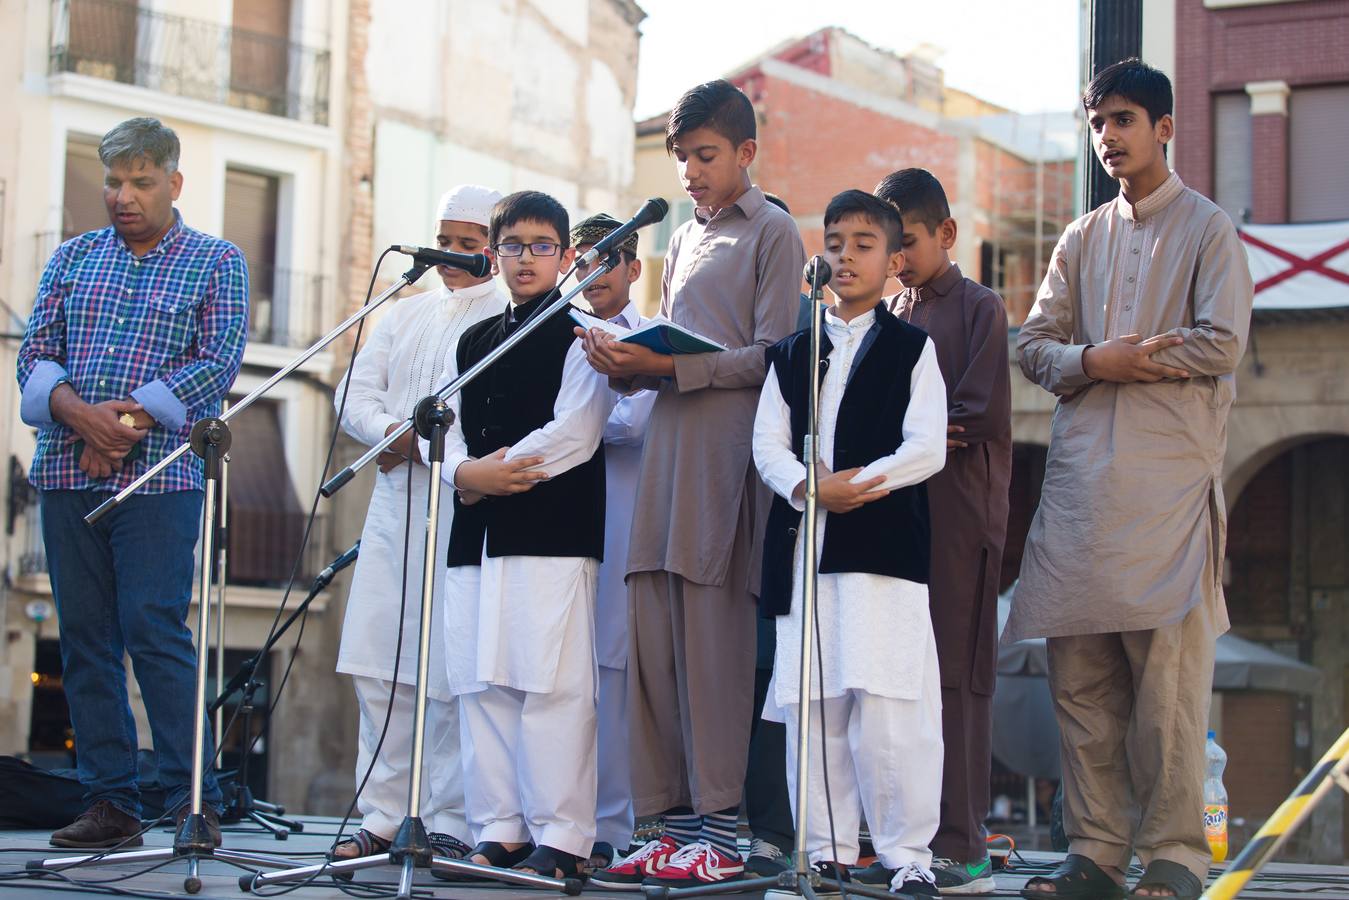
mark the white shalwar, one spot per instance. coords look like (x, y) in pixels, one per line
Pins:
(624, 435)
(400, 363)
(881, 723)
(520, 636)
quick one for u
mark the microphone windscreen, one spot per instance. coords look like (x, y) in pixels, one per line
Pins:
(818, 265)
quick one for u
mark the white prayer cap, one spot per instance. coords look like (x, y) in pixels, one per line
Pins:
(468, 203)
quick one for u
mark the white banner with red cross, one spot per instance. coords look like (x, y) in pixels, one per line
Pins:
(1298, 266)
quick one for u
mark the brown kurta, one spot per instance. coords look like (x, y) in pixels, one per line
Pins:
(968, 500)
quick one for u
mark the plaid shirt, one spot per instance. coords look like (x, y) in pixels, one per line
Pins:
(166, 329)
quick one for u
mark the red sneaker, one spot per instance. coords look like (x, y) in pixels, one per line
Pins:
(698, 863)
(627, 873)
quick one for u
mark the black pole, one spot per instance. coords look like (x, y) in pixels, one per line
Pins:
(1113, 32)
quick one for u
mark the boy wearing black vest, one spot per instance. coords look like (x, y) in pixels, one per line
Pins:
(524, 454)
(882, 434)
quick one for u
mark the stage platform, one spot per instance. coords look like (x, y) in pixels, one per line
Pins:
(1281, 881)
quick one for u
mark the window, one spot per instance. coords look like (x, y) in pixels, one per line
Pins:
(1232, 141)
(82, 207)
(260, 55)
(1318, 131)
(251, 202)
(101, 39)
(265, 519)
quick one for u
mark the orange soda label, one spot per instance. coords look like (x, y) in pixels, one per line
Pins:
(1215, 829)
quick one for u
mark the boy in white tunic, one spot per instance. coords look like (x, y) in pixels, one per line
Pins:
(610, 298)
(400, 364)
(525, 456)
(882, 433)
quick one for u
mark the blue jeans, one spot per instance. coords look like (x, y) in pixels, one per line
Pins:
(123, 587)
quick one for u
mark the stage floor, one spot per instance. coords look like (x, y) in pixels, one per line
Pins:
(1280, 881)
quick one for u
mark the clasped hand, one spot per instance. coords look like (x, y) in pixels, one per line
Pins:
(1129, 359)
(496, 476)
(837, 493)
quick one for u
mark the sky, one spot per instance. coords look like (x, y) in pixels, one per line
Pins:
(1021, 54)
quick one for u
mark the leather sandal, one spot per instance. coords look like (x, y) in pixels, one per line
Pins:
(551, 863)
(360, 845)
(1167, 875)
(497, 856)
(1076, 878)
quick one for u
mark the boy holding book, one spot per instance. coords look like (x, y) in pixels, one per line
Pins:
(732, 273)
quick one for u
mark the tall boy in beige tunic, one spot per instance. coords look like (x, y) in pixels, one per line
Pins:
(732, 274)
(1138, 327)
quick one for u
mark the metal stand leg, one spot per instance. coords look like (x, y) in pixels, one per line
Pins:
(192, 842)
(411, 848)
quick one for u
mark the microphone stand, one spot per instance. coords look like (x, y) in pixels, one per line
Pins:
(210, 440)
(239, 801)
(801, 878)
(411, 847)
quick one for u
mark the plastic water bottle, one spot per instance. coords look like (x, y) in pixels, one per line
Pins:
(1215, 799)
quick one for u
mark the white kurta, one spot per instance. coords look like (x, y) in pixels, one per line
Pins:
(624, 435)
(866, 620)
(509, 631)
(399, 364)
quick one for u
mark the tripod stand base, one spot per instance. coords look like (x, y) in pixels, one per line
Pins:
(346, 868)
(806, 885)
(191, 883)
(241, 807)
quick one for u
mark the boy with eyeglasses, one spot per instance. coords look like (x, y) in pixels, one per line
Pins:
(524, 454)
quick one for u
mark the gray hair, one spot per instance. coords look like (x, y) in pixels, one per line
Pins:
(141, 137)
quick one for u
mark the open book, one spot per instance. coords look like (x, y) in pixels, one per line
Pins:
(660, 335)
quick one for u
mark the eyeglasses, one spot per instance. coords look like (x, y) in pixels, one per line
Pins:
(542, 248)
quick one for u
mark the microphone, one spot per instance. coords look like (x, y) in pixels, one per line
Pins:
(817, 272)
(327, 575)
(475, 264)
(652, 211)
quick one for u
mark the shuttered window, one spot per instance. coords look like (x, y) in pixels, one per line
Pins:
(82, 207)
(250, 224)
(1232, 154)
(1318, 132)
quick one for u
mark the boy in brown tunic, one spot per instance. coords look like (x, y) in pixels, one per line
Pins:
(733, 274)
(968, 500)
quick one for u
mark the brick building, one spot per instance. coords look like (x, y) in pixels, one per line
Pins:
(836, 113)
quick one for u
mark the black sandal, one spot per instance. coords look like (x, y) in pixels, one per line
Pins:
(1076, 878)
(602, 856)
(497, 856)
(367, 843)
(1172, 876)
(447, 846)
(552, 863)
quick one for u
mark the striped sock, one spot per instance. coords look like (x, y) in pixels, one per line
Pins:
(682, 825)
(719, 830)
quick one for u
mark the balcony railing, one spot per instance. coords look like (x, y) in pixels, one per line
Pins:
(119, 41)
(278, 299)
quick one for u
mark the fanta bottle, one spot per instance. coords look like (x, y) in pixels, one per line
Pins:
(1215, 799)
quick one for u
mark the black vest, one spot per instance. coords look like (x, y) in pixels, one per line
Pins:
(563, 516)
(885, 537)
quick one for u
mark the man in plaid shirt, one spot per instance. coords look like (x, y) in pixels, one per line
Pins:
(137, 332)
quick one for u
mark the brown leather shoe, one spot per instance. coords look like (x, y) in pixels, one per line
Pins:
(212, 821)
(101, 825)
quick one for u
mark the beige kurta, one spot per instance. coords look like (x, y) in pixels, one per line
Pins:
(1131, 525)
